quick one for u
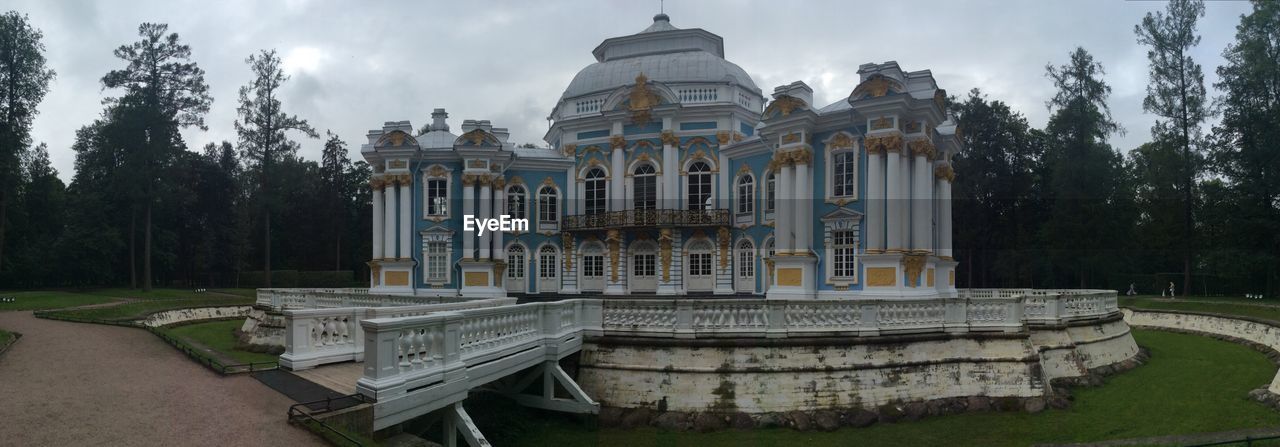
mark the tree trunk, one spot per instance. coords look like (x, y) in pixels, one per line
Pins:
(133, 248)
(146, 252)
(4, 205)
(266, 250)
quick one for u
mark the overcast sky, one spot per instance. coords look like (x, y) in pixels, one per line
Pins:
(357, 64)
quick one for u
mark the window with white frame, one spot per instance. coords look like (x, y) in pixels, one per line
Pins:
(699, 197)
(645, 179)
(645, 264)
(843, 167)
(700, 258)
(593, 266)
(844, 246)
(547, 265)
(770, 193)
(516, 202)
(746, 193)
(746, 259)
(515, 261)
(595, 185)
(548, 206)
(437, 261)
(437, 197)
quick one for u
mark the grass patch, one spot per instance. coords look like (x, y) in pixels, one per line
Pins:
(140, 309)
(52, 299)
(1225, 305)
(220, 336)
(1192, 384)
(5, 336)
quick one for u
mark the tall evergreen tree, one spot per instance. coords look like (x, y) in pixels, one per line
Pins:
(1246, 153)
(1176, 94)
(167, 90)
(261, 127)
(24, 80)
(334, 165)
(1086, 175)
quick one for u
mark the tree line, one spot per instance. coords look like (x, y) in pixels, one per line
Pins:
(1034, 207)
(1194, 207)
(144, 210)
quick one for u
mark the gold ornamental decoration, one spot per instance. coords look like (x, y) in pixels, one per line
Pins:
(722, 236)
(566, 240)
(664, 242)
(476, 137)
(923, 147)
(882, 123)
(617, 142)
(785, 105)
(940, 99)
(874, 87)
(944, 172)
(570, 150)
(913, 264)
(737, 136)
(641, 101)
(614, 237)
(884, 143)
(436, 171)
(911, 127)
(840, 141)
(791, 138)
(722, 137)
(669, 138)
(377, 184)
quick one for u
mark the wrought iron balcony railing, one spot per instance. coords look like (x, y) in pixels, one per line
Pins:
(648, 218)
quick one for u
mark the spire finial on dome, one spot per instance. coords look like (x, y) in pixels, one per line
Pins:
(661, 17)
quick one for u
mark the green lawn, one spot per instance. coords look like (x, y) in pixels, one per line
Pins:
(59, 299)
(4, 337)
(220, 336)
(51, 299)
(140, 309)
(1192, 384)
(1264, 309)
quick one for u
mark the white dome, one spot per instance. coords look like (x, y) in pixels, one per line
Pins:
(663, 53)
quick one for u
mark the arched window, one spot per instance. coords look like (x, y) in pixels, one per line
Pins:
(547, 265)
(768, 248)
(746, 193)
(700, 258)
(699, 186)
(595, 191)
(646, 187)
(770, 193)
(516, 202)
(548, 206)
(515, 261)
(746, 258)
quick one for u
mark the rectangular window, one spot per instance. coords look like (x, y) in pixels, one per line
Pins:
(547, 266)
(746, 262)
(593, 266)
(437, 261)
(770, 194)
(700, 264)
(746, 195)
(437, 197)
(843, 174)
(644, 265)
(843, 247)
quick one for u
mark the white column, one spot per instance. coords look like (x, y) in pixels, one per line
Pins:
(922, 202)
(670, 167)
(804, 206)
(725, 190)
(389, 230)
(944, 219)
(569, 207)
(468, 209)
(616, 174)
(499, 208)
(378, 216)
(406, 207)
(485, 206)
(893, 227)
(904, 196)
(875, 200)
(786, 201)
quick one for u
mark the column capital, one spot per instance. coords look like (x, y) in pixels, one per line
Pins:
(377, 183)
(884, 143)
(617, 142)
(570, 150)
(923, 147)
(944, 172)
(669, 138)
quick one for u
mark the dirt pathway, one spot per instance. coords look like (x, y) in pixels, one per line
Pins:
(86, 384)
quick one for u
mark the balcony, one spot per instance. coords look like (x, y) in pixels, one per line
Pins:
(648, 219)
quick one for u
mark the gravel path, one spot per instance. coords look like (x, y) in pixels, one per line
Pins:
(87, 384)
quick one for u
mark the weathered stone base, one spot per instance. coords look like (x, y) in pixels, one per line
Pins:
(180, 316)
(263, 331)
(833, 381)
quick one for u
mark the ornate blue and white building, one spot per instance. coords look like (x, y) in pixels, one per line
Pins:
(670, 172)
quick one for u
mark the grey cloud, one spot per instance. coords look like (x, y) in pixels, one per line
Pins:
(509, 61)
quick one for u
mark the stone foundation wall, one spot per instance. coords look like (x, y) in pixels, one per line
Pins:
(1259, 333)
(263, 328)
(808, 374)
(175, 316)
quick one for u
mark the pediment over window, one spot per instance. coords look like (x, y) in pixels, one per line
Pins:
(842, 214)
